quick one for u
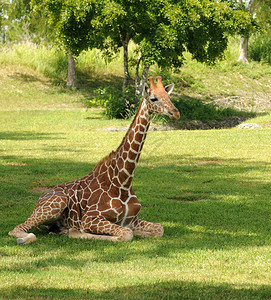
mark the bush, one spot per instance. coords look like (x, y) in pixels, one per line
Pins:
(116, 103)
(260, 48)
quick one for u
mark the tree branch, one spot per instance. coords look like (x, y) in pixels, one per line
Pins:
(257, 4)
(137, 68)
(250, 6)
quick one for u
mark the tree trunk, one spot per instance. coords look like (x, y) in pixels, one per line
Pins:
(126, 66)
(71, 80)
(251, 7)
(144, 75)
(125, 38)
(243, 50)
(137, 71)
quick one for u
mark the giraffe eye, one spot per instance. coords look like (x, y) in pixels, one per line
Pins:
(154, 99)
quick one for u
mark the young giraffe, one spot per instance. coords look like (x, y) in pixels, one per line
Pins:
(102, 205)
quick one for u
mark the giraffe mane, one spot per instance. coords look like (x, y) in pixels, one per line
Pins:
(112, 154)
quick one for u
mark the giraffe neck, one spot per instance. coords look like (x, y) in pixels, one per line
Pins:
(122, 163)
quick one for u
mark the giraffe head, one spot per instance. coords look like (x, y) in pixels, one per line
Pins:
(158, 100)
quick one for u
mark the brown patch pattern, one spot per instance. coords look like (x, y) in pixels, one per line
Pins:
(103, 204)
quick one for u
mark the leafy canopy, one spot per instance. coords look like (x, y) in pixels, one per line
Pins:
(72, 22)
(162, 29)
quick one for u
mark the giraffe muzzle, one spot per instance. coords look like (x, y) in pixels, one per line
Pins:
(173, 114)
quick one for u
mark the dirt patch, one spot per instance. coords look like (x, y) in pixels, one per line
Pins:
(255, 101)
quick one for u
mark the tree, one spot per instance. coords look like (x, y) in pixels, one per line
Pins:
(119, 22)
(165, 29)
(3, 16)
(200, 27)
(162, 29)
(251, 6)
(260, 44)
(21, 23)
(264, 13)
(72, 24)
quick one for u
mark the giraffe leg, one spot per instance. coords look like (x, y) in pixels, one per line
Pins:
(101, 229)
(74, 233)
(146, 229)
(49, 207)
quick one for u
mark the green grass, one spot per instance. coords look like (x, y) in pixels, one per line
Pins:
(209, 189)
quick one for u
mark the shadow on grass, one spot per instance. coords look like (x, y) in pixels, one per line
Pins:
(199, 113)
(55, 78)
(27, 135)
(90, 81)
(23, 77)
(43, 264)
(208, 205)
(162, 290)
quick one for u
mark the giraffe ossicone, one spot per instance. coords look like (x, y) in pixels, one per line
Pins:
(102, 205)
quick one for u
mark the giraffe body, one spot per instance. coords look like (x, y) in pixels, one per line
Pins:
(102, 204)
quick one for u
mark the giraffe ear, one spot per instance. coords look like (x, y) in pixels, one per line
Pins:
(145, 92)
(169, 88)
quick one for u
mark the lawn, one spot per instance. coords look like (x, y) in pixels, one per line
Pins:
(209, 189)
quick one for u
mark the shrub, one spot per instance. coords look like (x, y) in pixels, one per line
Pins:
(260, 48)
(116, 103)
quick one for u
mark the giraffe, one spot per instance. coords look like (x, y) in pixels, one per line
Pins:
(102, 205)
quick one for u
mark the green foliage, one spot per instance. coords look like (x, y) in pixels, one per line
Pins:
(71, 20)
(115, 102)
(262, 14)
(201, 27)
(18, 23)
(163, 30)
(260, 48)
